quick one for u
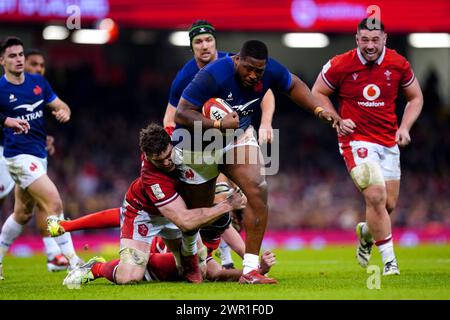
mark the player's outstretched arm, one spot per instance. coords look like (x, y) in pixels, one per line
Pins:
(187, 220)
(265, 131)
(302, 96)
(60, 110)
(414, 96)
(322, 91)
(17, 125)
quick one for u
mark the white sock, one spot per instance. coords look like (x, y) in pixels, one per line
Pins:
(51, 248)
(225, 253)
(367, 236)
(10, 231)
(251, 262)
(66, 246)
(387, 251)
(189, 244)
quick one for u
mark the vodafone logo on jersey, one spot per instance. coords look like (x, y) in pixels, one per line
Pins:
(371, 92)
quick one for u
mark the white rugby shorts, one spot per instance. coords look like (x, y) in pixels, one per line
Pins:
(204, 166)
(25, 169)
(140, 225)
(358, 152)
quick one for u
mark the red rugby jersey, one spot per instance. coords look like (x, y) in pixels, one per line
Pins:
(153, 189)
(367, 92)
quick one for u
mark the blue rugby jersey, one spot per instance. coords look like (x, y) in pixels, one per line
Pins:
(26, 101)
(218, 80)
(184, 77)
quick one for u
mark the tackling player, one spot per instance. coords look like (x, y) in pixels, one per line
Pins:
(367, 80)
(152, 207)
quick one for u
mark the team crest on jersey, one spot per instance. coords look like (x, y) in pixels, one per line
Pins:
(371, 92)
(142, 229)
(362, 152)
(12, 98)
(387, 73)
(159, 194)
(355, 76)
(37, 90)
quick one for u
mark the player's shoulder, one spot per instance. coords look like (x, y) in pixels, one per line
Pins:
(3, 82)
(187, 72)
(343, 59)
(33, 77)
(219, 65)
(392, 56)
(150, 174)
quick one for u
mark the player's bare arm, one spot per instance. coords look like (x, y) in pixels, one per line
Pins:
(188, 220)
(414, 96)
(265, 131)
(17, 125)
(187, 114)
(322, 92)
(169, 116)
(60, 110)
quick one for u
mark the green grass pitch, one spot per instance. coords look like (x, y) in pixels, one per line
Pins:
(328, 273)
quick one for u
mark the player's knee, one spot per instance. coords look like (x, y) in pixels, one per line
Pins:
(367, 174)
(375, 196)
(132, 265)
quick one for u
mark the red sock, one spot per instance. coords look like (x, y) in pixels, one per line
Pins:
(105, 269)
(109, 218)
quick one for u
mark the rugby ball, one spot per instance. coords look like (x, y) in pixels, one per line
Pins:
(216, 109)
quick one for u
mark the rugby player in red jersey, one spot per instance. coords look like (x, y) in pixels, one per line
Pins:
(152, 207)
(367, 80)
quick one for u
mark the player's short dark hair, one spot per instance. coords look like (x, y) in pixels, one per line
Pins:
(153, 139)
(370, 24)
(34, 52)
(9, 42)
(255, 49)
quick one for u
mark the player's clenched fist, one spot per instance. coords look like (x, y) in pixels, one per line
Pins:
(230, 121)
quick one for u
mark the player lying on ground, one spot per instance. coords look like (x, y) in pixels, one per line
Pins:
(161, 266)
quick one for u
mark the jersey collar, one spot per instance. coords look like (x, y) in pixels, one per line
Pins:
(378, 61)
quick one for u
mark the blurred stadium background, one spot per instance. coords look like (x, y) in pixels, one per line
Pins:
(117, 79)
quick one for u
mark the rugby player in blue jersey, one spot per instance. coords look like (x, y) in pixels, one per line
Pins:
(242, 81)
(202, 37)
(24, 96)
